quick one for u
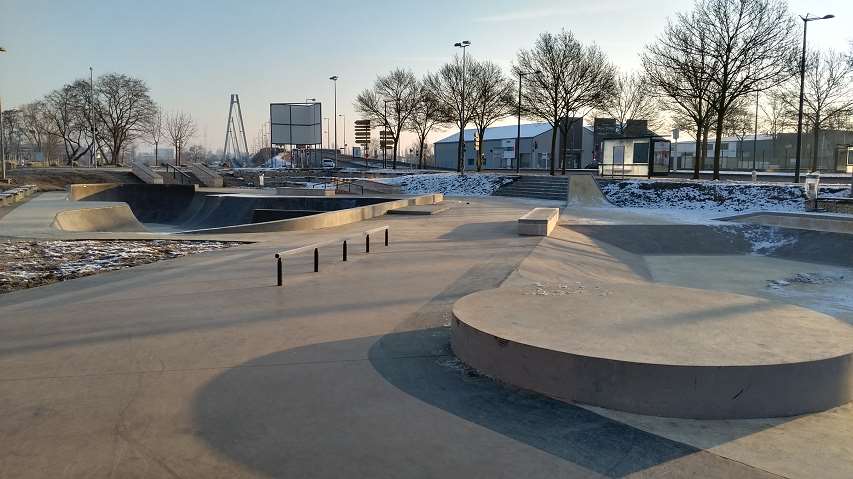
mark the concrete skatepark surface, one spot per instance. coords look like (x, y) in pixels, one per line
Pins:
(200, 367)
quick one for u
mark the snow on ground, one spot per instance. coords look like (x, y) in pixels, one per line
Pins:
(452, 184)
(714, 196)
(27, 264)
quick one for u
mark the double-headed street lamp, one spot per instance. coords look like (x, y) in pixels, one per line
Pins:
(334, 79)
(461, 158)
(806, 21)
(521, 75)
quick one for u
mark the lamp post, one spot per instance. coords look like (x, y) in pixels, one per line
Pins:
(755, 135)
(334, 79)
(462, 147)
(2, 139)
(521, 75)
(344, 120)
(806, 21)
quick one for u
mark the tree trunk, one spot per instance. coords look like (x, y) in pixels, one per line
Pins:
(394, 160)
(460, 154)
(155, 154)
(697, 156)
(718, 142)
(481, 132)
(553, 158)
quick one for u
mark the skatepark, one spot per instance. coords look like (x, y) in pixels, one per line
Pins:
(622, 344)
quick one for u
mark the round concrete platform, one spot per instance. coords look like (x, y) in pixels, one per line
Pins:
(659, 350)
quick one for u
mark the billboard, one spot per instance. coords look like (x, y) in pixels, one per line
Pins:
(295, 124)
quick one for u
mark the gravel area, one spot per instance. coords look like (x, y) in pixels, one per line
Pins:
(27, 264)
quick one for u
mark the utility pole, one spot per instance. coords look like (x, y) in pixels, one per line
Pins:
(93, 162)
(2, 138)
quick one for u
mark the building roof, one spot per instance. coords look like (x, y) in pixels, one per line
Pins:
(528, 130)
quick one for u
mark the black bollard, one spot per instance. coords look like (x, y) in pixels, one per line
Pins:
(279, 270)
(345, 250)
(386, 237)
(316, 260)
(367, 244)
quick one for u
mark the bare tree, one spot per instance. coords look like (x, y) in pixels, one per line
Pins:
(827, 96)
(739, 123)
(152, 131)
(180, 127)
(445, 85)
(34, 124)
(678, 68)
(65, 112)
(491, 99)
(632, 99)
(775, 118)
(571, 78)
(753, 43)
(122, 106)
(426, 116)
(399, 91)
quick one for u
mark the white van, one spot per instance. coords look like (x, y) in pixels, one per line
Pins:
(328, 163)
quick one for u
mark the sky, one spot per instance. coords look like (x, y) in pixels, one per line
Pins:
(193, 54)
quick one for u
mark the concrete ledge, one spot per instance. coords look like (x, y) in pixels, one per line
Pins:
(538, 221)
(659, 350)
(207, 176)
(146, 174)
(420, 210)
(293, 191)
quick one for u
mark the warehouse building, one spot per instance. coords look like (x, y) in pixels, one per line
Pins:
(498, 145)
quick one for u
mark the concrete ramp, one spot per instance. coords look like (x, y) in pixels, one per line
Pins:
(584, 191)
(108, 218)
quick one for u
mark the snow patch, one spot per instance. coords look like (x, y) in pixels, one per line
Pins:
(452, 184)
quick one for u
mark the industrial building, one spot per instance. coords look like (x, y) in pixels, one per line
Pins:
(498, 145)
(772, 152)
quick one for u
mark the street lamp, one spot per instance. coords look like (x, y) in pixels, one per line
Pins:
(521, 75)
(334, 79)
(462, 147)
(806, 21)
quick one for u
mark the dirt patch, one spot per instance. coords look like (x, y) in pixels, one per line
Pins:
(52, 179)
(27, 264)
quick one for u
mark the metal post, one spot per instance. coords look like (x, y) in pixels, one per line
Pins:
(367, 244)
(93, 162)
(800, 111)
(518, 131)
(279, 270)
(386, 237)
(755, 135)
(316, 261)
(2, 146)
(345, 250)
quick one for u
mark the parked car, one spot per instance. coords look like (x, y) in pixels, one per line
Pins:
(328, 163)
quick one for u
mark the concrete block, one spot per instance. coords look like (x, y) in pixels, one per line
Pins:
(538, 221)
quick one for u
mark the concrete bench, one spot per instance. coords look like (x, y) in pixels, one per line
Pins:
(538, 221)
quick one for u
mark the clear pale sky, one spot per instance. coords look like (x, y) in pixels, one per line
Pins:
(194, 53)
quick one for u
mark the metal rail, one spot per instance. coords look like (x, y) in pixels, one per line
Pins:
(279, 257)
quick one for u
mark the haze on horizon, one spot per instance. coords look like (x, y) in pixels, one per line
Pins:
(193, 54)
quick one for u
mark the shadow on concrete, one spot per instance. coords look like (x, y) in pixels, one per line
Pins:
(482, 231)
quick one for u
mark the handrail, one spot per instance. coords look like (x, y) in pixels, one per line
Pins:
(183, 177)
(279, 257)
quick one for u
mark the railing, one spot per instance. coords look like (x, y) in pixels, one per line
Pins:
(279, 257)
(179, 175)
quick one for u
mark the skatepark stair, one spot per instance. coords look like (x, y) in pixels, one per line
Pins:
(535, 186)
(146, 174)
